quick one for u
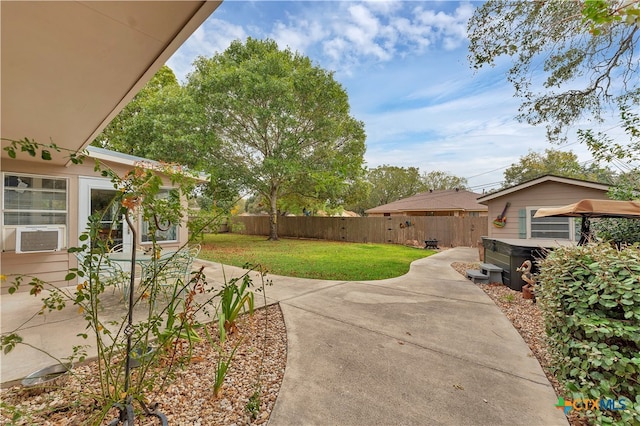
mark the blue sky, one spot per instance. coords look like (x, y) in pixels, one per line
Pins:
(404, 66)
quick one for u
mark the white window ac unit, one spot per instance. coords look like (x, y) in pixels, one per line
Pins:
(38, 239)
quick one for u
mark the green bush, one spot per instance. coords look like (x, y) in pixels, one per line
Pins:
(590, 299)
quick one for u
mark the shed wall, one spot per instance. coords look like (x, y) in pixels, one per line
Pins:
(546, 194)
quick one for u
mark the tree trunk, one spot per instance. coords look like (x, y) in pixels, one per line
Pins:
(273, 216)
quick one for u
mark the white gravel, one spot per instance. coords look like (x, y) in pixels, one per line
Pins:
(188, 399)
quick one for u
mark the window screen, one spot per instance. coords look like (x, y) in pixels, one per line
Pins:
(550, 227)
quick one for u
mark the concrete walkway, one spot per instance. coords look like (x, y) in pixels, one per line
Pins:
(427, 348)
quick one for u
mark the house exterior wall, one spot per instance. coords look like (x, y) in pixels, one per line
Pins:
(545, 194)
(53, 266)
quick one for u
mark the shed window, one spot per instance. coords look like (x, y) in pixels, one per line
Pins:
(558, 228)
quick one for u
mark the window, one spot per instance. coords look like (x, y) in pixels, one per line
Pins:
(30, 200)
(558, 228)
(167, 232)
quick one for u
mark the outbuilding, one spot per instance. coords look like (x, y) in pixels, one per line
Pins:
(515, 235)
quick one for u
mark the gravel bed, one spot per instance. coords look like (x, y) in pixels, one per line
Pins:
(188, 399)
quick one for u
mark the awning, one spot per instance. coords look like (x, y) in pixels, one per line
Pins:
(594, 208)
(588, 208)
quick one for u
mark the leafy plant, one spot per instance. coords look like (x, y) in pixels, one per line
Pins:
(32, 148)
(590, 299)
(222, 363)
(116, 339)
(509, 298)
(233, 298)
(253, 404)
(18, 415)
(181, 325)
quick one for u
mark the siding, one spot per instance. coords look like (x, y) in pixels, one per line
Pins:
(546, 194)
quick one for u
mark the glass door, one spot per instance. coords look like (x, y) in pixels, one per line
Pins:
(97, 196)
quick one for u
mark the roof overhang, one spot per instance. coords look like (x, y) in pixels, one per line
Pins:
(548, 178)
(69, 67)
(109, 156)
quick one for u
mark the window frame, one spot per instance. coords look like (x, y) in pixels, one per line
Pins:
(571, 223)
(5, 228)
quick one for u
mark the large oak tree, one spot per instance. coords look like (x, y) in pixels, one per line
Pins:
(282, 124)
(573, 64)
(391, 183)
(439, 181)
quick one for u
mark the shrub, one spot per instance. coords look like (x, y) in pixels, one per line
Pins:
(590, 299)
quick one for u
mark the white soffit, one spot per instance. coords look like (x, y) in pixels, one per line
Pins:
(69, 67)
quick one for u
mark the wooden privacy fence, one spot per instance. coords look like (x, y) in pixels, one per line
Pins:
(450, 231)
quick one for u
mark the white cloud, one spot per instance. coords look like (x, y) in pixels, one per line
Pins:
(214, 36)
(298, 37)
(450, 28)
(378, 32)
(360, 34)
(384, 7)
(419, 36)
(334, 48)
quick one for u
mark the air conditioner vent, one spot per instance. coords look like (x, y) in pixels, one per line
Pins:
(34, 240)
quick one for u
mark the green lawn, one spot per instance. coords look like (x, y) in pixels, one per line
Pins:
(312, 258)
